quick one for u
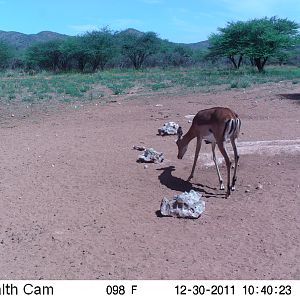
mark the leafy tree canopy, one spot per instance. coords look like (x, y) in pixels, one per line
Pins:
(100, 47)
(137, 47)
(5, 53)
(258, 39)
(45, 55)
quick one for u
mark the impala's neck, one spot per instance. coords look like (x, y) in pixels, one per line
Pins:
(188, 137)
(182, 143)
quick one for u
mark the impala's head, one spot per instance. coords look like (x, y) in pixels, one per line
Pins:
(181, 147)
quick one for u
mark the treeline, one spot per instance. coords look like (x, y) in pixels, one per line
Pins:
(254, 42)
(101, 49)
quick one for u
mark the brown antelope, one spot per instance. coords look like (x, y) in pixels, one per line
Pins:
(215, 125)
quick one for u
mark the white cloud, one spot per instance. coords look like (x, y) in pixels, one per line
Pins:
(189, 32)
(121, 24)
(117, 24)
(184, 25)
(152, 1)
(251, 7)
(83, 28)
(259, 8)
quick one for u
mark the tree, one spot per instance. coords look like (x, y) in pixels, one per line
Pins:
(268, 38)
(100, 47)
(171, 54)
(74, 53)
(5, 54)
(137, 47)
(180, 56)
(66, 48)
(229, 43)
(259, 39)
(45, 55)
(200, 56)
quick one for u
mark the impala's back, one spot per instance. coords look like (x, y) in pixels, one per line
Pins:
(217, 123)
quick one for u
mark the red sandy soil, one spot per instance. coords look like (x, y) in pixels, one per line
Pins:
(75, 204)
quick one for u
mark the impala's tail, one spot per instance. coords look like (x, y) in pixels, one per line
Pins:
(232, 129)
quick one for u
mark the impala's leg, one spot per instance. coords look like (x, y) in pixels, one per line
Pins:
(228, 165)
(236, 160)
(213, 147)
(198, 147)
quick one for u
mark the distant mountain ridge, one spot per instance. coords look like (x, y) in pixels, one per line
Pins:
(199, 45)
(21, 41)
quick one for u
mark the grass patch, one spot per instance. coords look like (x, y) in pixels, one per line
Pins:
(70, 87)
(28, 99)
(240, 83)
(158, 86)
(118, 87)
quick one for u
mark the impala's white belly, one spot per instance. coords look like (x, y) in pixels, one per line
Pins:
(210, 138)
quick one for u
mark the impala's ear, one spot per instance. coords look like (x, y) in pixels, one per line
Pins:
(179, 132)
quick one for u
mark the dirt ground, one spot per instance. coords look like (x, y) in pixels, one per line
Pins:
(75, 204)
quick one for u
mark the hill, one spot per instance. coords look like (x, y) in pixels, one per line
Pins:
(199, 45)
(21, 41)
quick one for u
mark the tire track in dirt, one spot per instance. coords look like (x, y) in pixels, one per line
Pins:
(268, 148)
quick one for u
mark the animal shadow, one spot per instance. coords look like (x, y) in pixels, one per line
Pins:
(177, 184)
(291, 96)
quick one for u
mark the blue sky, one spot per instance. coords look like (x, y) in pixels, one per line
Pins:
(178, 21)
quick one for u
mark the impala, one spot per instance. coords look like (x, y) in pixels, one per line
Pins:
(215, 126)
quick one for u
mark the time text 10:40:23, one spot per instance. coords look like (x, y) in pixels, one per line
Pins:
(230, 290)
